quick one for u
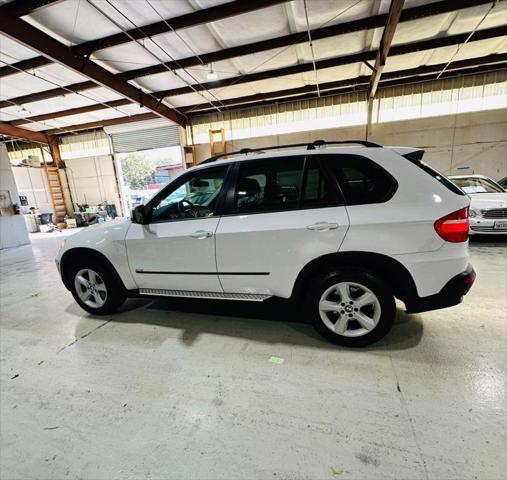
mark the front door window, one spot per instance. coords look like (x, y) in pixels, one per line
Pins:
(195, 197)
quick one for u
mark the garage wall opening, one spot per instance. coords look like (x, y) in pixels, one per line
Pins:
(148, 155)
(147, 171)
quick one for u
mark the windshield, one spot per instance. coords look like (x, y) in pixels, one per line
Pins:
(473, 185)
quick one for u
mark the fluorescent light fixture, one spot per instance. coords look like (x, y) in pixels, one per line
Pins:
(211, 76)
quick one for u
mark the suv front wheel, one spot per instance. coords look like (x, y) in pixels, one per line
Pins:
(351, 307)
(95, 289)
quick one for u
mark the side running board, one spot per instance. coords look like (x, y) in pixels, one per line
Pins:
(250, 297)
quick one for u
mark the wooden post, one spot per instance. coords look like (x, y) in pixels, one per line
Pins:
(369, 115)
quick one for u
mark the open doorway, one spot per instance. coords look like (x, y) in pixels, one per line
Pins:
(147, 171)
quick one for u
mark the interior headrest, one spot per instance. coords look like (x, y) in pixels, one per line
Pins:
(248, 187)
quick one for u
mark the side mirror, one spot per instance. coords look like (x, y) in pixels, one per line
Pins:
(139, 214)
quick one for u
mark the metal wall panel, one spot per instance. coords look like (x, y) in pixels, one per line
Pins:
(146, 139)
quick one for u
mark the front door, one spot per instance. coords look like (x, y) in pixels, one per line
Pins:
(176, 249)
(285, 213)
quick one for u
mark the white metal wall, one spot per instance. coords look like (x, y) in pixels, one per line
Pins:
(31, 182)
(92, 180)
(424, 99)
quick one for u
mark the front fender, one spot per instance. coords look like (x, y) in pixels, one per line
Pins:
(108, 239)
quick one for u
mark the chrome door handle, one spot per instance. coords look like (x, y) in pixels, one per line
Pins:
(201, 234)
(323, 226)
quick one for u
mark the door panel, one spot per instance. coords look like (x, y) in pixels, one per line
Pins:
(180, 259)
(272, 248)
(175, 250)
(285, 213)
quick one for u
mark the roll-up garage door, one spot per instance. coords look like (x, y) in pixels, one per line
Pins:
(143, 136)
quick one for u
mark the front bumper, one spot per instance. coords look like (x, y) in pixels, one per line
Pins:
(452, 293)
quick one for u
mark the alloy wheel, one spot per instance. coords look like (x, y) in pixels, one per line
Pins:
(349, 309)
(90, 288)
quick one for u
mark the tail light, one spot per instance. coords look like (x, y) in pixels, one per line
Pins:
(453, 227)
(471, 278)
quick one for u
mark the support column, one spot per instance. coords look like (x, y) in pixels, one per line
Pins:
(369, 115)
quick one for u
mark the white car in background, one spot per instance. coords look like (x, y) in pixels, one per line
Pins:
(488, 207)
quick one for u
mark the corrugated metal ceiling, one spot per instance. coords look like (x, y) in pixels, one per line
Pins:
(77, 21)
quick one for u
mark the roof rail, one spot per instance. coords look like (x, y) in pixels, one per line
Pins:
(309, 146)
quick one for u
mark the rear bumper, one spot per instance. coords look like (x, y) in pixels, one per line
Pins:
(452, 293)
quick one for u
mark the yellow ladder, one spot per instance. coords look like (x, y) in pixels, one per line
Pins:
(213, 143)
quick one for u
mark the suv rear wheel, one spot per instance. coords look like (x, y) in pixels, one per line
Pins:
(351, 307)
(95, 289)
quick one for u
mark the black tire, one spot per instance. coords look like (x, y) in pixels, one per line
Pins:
(115, 292)
(379, 287)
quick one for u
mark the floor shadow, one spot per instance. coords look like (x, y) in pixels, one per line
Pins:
(488, 240)
(274, 321)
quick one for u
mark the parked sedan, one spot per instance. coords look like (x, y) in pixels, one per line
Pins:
(488, 207)
(503, 183)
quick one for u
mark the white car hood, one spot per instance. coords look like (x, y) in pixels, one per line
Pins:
(482, 201)
(100, 235)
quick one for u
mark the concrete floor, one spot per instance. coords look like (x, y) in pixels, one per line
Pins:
(166, 390)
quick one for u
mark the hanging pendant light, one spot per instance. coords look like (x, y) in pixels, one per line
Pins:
(211, 76)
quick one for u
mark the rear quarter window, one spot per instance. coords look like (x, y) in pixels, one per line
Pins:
(361, 180)
(415, 158)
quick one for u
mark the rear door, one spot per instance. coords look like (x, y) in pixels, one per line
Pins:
(282, 213)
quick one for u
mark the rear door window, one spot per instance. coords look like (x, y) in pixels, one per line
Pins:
(268, 185)
(319, 191)
(361, 180)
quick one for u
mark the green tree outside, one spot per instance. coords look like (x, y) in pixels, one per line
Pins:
(138, 171)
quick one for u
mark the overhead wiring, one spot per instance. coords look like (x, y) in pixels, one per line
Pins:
(144, 47)
(311, 48)
(279, 52)
(37, 122)
(187, 44)
(460, 46)
(64, 87)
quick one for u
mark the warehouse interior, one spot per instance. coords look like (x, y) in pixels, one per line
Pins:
(103, 103)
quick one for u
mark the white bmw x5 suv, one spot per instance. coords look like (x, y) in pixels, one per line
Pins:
(342, 230)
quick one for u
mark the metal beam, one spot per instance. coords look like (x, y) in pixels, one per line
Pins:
(393, 18)
(334, 62)
(72, 111)
(104, 123)
(23, 133)
(384, 83)
(198, 17)
(31, 37)
(28, 64)
(47, 94)
(19, 8)
(362, 80)
(495, 61)
(376, 21)
(385, 43)
(389, 80)
(345, 60)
